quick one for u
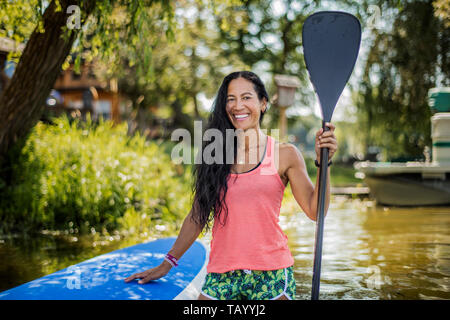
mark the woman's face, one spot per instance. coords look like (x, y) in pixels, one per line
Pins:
(243, 105)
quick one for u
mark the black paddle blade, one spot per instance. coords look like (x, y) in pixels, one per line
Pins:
(331, 42)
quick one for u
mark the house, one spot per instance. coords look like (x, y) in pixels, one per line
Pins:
(86, 93)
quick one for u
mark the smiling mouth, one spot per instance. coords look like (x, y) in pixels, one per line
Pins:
(241, 117)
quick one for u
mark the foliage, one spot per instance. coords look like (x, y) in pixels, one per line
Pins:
(52, 39)
(442, 10)
(82, 176)
(113, 25)
(162, 60)
(402, 65)
(192, 64)
(267, 37)
(18, 19)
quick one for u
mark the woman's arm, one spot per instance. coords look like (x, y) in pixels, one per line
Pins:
(190, 231)
(302, 188)
(301, 185)
(315, 195)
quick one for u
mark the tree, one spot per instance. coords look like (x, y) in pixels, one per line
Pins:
(23, 100)
(442, 11)
(192, 64)
(267, 37)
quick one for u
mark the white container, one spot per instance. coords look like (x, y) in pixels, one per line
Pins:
(440, 135)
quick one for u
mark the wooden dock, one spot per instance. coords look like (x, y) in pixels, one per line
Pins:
(358, 191)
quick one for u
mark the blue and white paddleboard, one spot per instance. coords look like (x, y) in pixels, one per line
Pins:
(102, 277)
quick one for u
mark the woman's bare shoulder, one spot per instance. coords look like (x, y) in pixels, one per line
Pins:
(286, 149)
(287, 154)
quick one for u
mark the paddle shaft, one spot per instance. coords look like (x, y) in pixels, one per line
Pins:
(323, 170)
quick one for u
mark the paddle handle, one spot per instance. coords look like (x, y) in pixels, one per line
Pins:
(323, 170)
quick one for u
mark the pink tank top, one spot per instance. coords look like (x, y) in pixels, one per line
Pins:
(252, 237)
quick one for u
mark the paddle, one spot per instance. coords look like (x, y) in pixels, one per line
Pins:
(331, 42)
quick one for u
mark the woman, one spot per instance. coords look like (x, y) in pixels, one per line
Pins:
(249, 257)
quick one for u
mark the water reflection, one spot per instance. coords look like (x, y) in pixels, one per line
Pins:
(373, 252)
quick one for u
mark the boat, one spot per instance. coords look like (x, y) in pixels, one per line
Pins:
(407, 184)
(416, 183)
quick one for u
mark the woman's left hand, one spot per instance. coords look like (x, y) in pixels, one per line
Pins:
(326, 139)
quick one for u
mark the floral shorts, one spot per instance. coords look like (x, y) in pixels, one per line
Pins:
(250, 284)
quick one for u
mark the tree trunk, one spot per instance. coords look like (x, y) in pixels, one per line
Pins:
(196, 107)
(23, 100)
(181, 119)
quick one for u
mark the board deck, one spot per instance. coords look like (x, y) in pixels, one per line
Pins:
(102, 277)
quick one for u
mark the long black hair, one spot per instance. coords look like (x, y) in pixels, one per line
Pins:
(210, 180)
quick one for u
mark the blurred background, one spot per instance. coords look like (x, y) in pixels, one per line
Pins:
(90, 92)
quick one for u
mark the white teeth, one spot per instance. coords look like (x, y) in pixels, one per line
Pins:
(241, 116)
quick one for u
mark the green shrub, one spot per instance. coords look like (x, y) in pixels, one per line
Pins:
(81, 176)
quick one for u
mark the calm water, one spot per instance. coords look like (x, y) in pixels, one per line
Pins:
(373, 252)
(369, 252)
